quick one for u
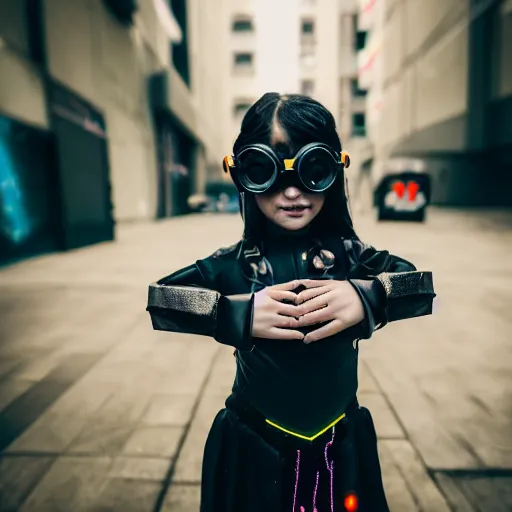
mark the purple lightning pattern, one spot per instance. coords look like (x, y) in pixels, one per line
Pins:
(330, 468)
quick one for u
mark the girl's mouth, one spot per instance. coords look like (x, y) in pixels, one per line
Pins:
(295, 208)
(294, 211)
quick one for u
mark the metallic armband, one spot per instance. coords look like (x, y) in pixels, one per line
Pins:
(183, 309)
(408, 294)
(195, 310)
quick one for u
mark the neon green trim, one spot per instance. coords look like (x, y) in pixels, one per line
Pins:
(305, 437)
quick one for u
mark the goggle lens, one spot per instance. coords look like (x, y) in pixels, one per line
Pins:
(314, 170)
(256, 169)
(317, 169)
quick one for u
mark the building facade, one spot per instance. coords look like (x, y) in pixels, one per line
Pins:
(296, 46)
(108, 114)
(440, 87)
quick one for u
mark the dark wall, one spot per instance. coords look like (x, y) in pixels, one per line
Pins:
(82, 160)
(176, 165)
(469, 156)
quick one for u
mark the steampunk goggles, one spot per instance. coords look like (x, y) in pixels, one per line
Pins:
(257, 168)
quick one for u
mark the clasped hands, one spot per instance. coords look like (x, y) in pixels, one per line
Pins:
(279, 312)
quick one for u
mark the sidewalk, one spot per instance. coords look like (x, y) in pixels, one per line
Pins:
(99, 412)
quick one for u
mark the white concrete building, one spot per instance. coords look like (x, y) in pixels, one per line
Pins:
(295, 46)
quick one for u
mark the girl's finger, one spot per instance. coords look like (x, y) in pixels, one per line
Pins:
(286, 322)
(291, 285)
(313, 283)
(285, 334)
(288, 310)
(282, 295)
(325, 331)
(313, 304)
(310, 293)
(319, 316)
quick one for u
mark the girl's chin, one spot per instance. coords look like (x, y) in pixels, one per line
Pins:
(293, 223)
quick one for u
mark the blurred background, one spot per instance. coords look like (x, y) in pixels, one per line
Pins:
(119, 111)
(114, 119)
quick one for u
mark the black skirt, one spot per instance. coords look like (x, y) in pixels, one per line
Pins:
(251, 466)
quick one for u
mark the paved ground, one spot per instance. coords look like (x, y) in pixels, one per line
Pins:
(99, 412)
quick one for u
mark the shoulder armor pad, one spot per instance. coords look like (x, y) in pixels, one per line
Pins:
(223, 251)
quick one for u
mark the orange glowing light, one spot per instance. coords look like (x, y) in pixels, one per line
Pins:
(351, 503)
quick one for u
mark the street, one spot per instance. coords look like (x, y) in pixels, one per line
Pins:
(99, 412)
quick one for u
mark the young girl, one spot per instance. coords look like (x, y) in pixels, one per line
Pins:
(294, 296)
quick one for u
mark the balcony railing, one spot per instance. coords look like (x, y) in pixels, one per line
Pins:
(365, 67)
(349, 6)
(358, 131)
(367, 14)
(348, 64)
(168, 21)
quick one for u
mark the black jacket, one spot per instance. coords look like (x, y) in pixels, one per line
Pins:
(300, 387)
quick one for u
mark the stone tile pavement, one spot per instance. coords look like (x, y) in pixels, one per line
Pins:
(98, 412)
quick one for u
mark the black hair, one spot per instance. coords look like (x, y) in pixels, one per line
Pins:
(303, 120)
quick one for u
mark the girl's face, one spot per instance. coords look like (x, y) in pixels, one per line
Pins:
(290, 207)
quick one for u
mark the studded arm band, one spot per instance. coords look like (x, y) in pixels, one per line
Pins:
(407, 294)
(196, 310)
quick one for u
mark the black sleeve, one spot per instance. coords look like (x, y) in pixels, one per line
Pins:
(390, 288)
(186, 302)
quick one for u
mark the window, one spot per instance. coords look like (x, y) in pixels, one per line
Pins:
(123, 11)
(360, 40)
(358, 125)
(240, 109)
(243, 62)
(355, 23)
(308, 87)
(360, 36)
(242, 25)
(355, 89)
(307, 50)
(307, 41)
(308, 27)
(180, 51)
(243, 59)
(308, 60)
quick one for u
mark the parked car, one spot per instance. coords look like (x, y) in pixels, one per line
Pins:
(225, 196)
(403, 194)
(201, 203)
(222, 203)
(228, 203)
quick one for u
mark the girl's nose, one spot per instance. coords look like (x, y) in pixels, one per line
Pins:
(291, 192)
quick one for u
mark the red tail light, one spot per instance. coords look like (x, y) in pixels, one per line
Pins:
(399, 188)
(412, 189)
